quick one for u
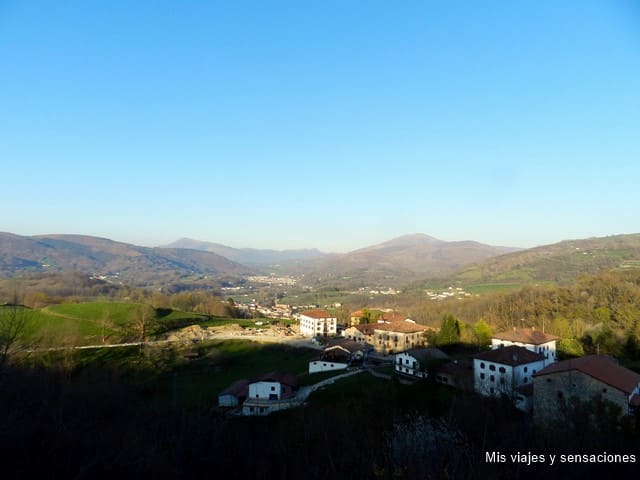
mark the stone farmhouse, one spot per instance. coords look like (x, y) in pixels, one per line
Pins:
(585, 379)
(389, 337)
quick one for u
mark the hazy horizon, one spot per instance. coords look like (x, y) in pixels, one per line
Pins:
(332, 126)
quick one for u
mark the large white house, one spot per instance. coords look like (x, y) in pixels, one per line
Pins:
(531, 339)
(503, 370)
(318, 323)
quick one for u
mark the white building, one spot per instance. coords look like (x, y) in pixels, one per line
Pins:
(338, 356)
(503, 370)
(414, 362)
(531, 339)
(269, 393)
(317, 323)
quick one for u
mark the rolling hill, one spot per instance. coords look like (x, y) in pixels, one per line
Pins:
(99, 256)
(559, 263)
(396, 262)
(248, 256)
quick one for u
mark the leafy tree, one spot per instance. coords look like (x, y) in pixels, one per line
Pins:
(449, 330)
(483, 332)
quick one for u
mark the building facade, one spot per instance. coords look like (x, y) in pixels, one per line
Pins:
(501, 371)
(585, 379)
(318, 323)
(531, 339)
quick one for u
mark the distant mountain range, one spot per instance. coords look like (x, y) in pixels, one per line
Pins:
(396, 263)
(100, 256)
(248, 256)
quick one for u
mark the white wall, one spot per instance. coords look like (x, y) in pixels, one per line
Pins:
(324, 366)
(505, 377)
(263, 390)
(408, 365)
(547, 349)
(311, 326)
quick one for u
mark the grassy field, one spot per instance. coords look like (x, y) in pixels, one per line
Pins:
(93, 323)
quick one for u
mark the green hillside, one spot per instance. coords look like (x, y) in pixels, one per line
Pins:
(560, 263)
(92, 323)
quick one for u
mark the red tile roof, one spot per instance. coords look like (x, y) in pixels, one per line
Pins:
(526, 335)
(239, 388)
(511, 355)
(393, 317)
(349, 345)
(317, 313)
(398, 327)
(600, 367)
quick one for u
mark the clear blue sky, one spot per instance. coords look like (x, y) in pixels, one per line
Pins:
(329, 124)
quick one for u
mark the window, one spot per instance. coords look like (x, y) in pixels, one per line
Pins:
(502, 381)
(502, 370)
(492, 368)
(261, 409)
(560, 395)
(525, 380)
(604, 390)
(481, 364)
(492, 378)
(526, 369)
(482, 376)
(273, 389)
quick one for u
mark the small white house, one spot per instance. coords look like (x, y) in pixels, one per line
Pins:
(270, 392)
(414, 362)
(531, 339)
(338, 356)
(318, 323)
(501, 371)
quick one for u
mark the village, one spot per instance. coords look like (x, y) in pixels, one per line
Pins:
(521, 365)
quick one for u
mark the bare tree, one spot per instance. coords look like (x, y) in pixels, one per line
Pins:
(13, 322)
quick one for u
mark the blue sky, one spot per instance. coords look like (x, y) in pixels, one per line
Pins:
(328, 124)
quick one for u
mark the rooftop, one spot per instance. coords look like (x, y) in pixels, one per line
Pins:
(397, 326)
(512, 355)
(429, 353)
(600, 367)
(284, 378)
(317, 313)
(526, 335)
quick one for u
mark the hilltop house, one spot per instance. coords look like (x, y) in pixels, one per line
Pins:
(389, 337)
(529, 338)
(414, 362)
(338, 356)
(269, 393)
(317, 323)
(501, 371)
(584, 378)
